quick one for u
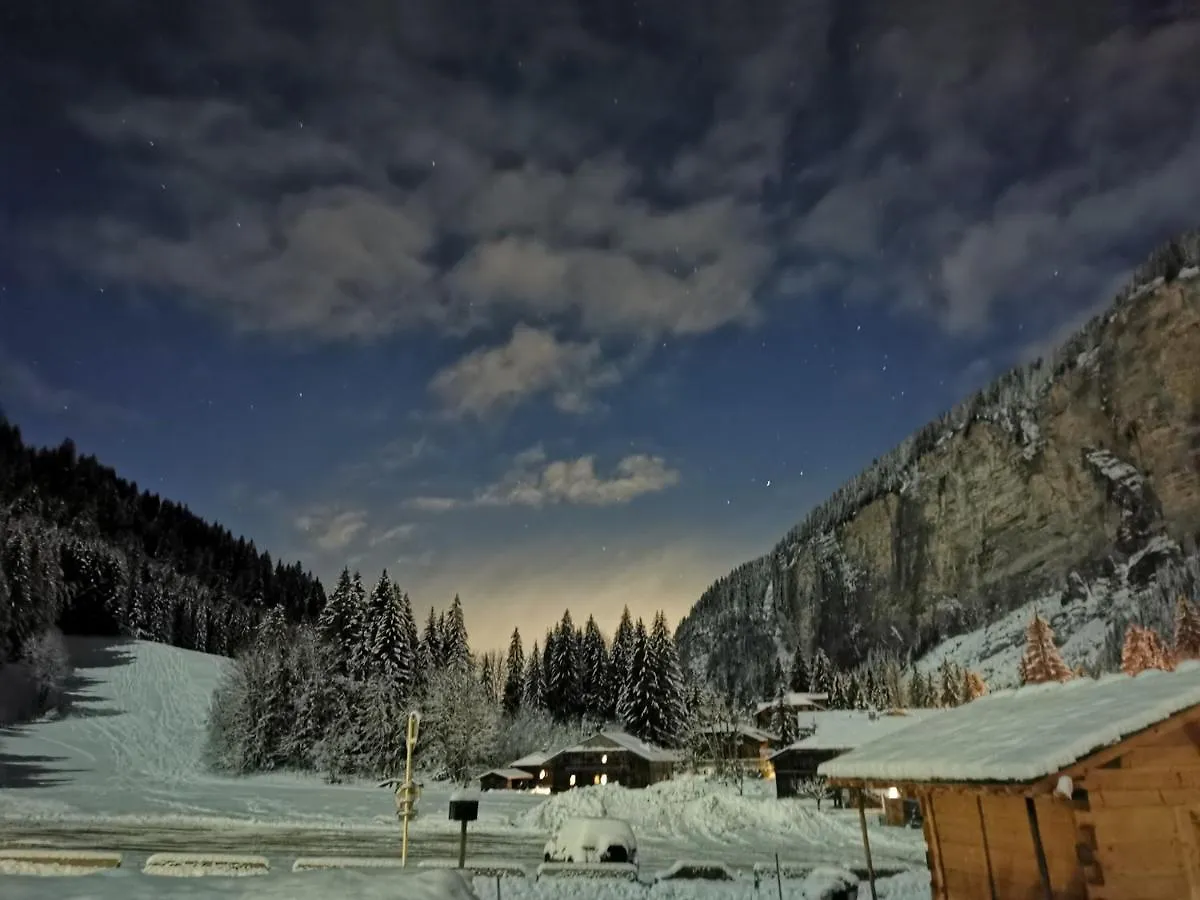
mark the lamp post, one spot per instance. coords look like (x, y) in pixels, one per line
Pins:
(406, 791)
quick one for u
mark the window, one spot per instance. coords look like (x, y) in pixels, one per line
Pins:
(604, 760)
(604, 779)
(572, 781)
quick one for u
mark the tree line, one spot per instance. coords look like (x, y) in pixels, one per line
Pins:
(333, 695)
(84, 551)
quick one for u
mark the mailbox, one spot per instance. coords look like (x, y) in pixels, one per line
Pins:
(464, 810)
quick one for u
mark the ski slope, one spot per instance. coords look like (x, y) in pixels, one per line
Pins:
(123, 771)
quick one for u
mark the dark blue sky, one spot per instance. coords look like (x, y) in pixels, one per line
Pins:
(558, 305)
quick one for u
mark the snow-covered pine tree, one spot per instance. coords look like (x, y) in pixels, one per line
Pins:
(563, 675)
(335, 624)
(455, 646)
(533, 692)
(663, 659)
(274, 630)
(595, 669)
(514, 676)
(820, 673)
(619, 661)
(431, 642)
(1042, 661)
(362, 627)
(798, 676)
(640, 686)
(1187, 630)
(918, 696)
(840, 691)
(391, 657)
(950, 685)
(412, 641)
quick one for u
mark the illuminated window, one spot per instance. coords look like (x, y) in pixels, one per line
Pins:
(542, 775)
(893, 793)
(596, 779)
(572, 781)
(604, 760)
(604, 779)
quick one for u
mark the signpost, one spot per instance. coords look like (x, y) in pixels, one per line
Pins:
(407, 792)
(464, 808)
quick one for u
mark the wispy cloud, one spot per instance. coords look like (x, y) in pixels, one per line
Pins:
(532, 362)
(331, 529)
(535, 482)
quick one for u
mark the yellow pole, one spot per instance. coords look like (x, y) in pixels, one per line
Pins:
(407, 788)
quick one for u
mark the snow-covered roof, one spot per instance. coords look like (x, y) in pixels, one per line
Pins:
(1024, 734)
(846, 729)
(623, 741)
(510, 774)
(792, 699)
(531, 760)
(749, 731)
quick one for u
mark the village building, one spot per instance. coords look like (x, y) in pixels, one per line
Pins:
(724, 747)
(506, 780)
(1082, 790)
(609, 757)
(830, 733)
(793, 703)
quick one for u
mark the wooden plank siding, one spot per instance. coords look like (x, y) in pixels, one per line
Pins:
(1142, 840)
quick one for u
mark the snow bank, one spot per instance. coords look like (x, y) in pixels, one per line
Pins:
(194, 865)
(695, 870)
(905, 886)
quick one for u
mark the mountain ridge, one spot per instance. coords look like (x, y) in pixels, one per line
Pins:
(1063, 466)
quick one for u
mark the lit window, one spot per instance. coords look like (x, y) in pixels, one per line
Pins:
(541, 774)
(604, 760)
(604, 779)
(595, 779)
(893, 793)
(572, 781)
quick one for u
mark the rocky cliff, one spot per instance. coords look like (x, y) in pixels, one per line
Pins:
(1064, 469)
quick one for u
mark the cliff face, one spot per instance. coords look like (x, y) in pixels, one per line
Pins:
(1063, 466)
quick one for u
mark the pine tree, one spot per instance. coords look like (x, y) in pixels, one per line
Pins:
(951, 683)
(1042, 661)
(973, 687)
(456, 650)
(619, 662)
(389, 638)
(1187, 631)
(798, 676)
(917, 694)
(533, 694)
(639, 685)
(431, 643)
(820, 673)
(335, 625)
(1144, 650)
(361, 628)
(514, 679)
(595, 672)
(563, 675)
(670, 716)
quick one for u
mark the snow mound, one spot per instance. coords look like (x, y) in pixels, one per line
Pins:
(193, 865)
(683, 805)
(905, 886)
(696, 870)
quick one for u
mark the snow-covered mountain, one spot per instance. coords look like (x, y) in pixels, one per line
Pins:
(1071, 484)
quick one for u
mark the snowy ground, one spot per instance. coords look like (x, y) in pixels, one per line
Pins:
(122, 772)
(129, 885)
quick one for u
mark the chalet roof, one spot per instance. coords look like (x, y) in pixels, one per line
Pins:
(531, 760)
(620, 740)
(510, 774)
(793, 700)
(749, 731)
(846, 729)
(1024, 734)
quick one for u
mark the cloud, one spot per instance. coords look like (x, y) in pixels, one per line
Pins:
(393, 535)
(535, 482)
(332, 530)
(23, 386)
(532, 362)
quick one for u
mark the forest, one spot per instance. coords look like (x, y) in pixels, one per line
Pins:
(84, 551)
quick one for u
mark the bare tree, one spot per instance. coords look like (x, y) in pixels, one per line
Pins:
(713, 742)
(459, 723)
(815, 788)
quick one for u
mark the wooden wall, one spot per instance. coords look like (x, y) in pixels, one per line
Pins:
(981, 846)
(1139, 817)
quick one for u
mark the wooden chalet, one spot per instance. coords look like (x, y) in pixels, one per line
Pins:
(609, 757)
(506, 780)
(744, 746)
(795, 703)
(1086, 790)
(830, 733)
(535, 765)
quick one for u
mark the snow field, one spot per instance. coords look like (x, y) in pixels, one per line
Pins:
(119, 884)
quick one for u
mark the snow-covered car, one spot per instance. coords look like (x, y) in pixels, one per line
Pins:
(592, 841)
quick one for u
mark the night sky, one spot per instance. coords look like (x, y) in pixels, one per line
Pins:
(558, 303)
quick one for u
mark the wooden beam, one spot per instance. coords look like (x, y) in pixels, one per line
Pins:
(933, 840)
(1004, 788)
(1185, 828)
(862, 821)
(987, 853)
(1038, 849)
